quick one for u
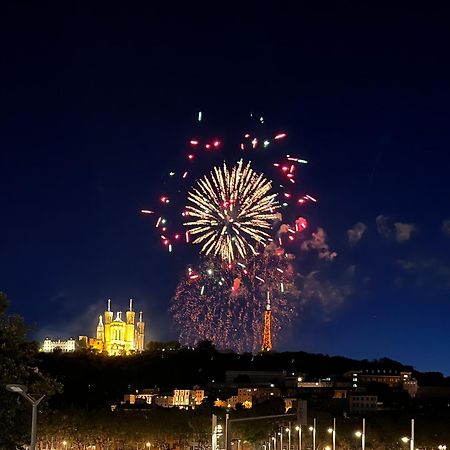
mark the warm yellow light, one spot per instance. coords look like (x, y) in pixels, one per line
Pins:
(297, 428)
(287, 430)
(327, 447)
(358, 434)
(64, 443)
(330, 430)
(148, 444)
(405, 439)
(311, 428)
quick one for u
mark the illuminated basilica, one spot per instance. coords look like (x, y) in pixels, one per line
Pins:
(116, 336)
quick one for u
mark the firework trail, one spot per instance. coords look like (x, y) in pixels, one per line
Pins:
(226, 306)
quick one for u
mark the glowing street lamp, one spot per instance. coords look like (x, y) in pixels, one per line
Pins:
(299, 429)
(22, 390)
(332, 431)
(313, 434)
(288, 431)
(442, 447)
(362, 435)
(410, 439)
(64, 443)
(147, 444)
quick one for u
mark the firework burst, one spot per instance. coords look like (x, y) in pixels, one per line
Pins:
(226, 305)
(231, 211)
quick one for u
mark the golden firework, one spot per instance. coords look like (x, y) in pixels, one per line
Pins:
(231, 211)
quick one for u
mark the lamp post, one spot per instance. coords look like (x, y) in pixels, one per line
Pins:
(281, 438)
(22, 390)
(332, 431)
(362, 435)
(410, 439)
(274, 439)
(288, 431)
(299, 429)
(313, 434)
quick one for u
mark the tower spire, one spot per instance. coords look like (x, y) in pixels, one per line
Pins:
(109, 304)
(267, 331)
(140, 316)
(131, 304)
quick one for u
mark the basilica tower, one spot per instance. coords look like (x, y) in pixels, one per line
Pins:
(140, 334)
(129, 328)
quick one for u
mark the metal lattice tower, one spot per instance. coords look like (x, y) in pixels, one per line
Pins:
(267, 333)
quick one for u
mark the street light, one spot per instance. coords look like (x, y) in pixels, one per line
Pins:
(332, 431)
(64, 443)
(442, 447)
(274, 439)
(362, 435)
(288, 431)
(299, 429)
(22, 390)
(313, 434)
(410, 439)
(147, 444)
(280, 433)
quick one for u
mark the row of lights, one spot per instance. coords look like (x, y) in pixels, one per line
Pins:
(332, 430)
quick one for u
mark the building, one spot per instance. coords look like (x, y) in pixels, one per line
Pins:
(116, 336)
(181, 398)
(189, 398)
(248, 397)
(393, 378)
(145, 396)
(65, 346)
(165, 401)
(362, 404)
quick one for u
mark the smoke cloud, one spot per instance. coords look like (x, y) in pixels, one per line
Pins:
(356, 233)
(403, 231)
(318, 243)
(446, 227)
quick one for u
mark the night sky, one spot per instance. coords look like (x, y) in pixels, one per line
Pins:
(96, 103)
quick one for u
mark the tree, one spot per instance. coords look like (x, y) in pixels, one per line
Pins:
(18, 365)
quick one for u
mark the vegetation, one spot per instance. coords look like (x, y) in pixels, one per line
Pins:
(18, 365)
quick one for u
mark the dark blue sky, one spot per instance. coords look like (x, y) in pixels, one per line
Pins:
(94, 103)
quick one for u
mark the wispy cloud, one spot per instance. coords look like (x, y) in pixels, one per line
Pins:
(426, 272)
(446, 227)
(73, 326)
(384, 225)
(399, 231)
(318, 243)
(330, 293)
(356, 233)
(404, 231)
